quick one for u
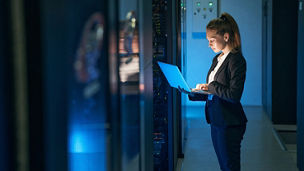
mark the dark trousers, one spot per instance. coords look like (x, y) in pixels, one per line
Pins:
(227, 146)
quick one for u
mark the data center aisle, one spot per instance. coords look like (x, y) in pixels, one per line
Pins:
(260, 149)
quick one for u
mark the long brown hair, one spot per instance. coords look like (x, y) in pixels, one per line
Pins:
(226, 24)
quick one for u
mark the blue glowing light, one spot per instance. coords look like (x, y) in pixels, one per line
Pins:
(87, 138)
(87, 148)
(76, 143)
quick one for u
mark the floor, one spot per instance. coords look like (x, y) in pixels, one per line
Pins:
(260, 150)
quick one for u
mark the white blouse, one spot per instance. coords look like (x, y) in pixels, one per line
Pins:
(220, 60)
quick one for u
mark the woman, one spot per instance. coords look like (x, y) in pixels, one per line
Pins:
(225, 82)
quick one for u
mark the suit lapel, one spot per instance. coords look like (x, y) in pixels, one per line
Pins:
(214, 63)
(222, 66)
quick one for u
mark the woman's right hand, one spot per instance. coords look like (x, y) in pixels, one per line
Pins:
(201, 87)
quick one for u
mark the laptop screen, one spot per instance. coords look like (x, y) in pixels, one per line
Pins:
(173, 76)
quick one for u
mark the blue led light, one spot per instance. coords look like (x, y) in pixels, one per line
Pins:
(76, 143)
(87, 148)
(89, 138)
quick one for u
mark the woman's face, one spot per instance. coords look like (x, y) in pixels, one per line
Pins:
(216, 42)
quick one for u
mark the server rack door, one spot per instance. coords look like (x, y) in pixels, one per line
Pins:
(67, 41)
(129, 59)
(284, 71)
(88, 74)
(87, 122)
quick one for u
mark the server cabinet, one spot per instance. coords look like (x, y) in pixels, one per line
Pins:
(86, 107)
(161, 99)
(166, 102)
(88, 123)
(71, 51)
(281, 18)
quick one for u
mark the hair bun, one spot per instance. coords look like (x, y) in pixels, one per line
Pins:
(223, 17)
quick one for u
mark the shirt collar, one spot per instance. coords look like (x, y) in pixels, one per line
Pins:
(222, 58)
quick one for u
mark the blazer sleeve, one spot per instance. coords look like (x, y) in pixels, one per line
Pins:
(237, 73)
(197, 97)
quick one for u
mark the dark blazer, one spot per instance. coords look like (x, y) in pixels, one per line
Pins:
(227, 88)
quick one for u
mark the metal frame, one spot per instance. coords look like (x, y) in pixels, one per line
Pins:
(300, 92)
(180, 153)
(113, 115)
(7, 116)
(174, 112)
(146, 84)
(34, 84)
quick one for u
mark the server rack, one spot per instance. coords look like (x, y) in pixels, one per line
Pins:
(66, 102)
(166, 101)
(160, 87)
(73, 90)
(64, 86)
(277, 13)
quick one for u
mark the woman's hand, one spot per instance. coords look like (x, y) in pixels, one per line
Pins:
(201, 87)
